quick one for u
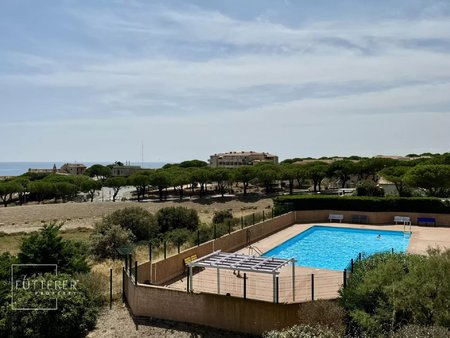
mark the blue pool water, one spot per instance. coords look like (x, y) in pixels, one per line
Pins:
(333, 247)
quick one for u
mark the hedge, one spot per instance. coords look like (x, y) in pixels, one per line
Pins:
(359, 203)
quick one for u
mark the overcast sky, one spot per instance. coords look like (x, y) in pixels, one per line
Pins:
(92, 80)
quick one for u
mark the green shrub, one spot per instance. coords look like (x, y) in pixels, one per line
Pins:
(205, 232)
(303, 331)
(222, 215)
(324, 313)
(221, 229)
(379, 295)
(178, 237)
(369, 188)
(171, 218)
(416, 331)
(6, 259)
(138, 220)
(76, 313)
(107, 238)
(356, 203)
(48, 247)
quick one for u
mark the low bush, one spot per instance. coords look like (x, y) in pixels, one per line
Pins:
(138, 220)
(171, 218)
(360, 203)
(178, 237)
(48, 247)
(76, 312)
(6, 260)
(379, 295)
(324, 313)
(416, 331)
(303, 331)
(107, 238)
(204, 233)
(221, 216)
(97, 286)
(369, 188)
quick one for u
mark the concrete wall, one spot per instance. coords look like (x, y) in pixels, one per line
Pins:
(172, 267)
(228, 313)
(311, 216)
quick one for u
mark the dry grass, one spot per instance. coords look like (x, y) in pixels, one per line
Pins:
(101, 272)
(325, 313)
(11, 242)
(141, 253)
(30, 218)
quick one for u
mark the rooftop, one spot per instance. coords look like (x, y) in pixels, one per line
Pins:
(243, 153)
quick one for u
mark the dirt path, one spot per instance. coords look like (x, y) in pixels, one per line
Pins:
(118, 323)
(29, 218)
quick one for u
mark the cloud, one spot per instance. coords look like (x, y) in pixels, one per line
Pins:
(184, 68)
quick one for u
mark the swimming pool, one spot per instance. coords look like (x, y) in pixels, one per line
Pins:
(333, 247)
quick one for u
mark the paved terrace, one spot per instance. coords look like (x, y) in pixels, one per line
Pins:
(326, 282)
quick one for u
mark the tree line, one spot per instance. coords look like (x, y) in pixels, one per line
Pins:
(421, 176)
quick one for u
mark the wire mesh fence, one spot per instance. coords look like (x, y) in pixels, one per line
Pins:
(282, 288)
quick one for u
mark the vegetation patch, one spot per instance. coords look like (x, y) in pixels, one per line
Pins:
(283, 204)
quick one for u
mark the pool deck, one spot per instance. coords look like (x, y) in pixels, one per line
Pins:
(422, 237)
(326, 282)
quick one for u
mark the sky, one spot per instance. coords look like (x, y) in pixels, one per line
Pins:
(95, 80)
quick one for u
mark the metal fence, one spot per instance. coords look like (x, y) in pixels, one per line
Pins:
(322, 284)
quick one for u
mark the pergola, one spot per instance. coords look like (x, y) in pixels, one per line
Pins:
(243, 263)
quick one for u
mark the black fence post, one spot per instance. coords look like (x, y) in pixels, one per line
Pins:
(229, 227)
(264, 218)
(360, 256)
(351, 264)
(126, 263)
(277, 290)
(345, 278)
(123, 284)
(110, 289)
(242, 222)
(245, 285)
(312, 287)
(178, 247)
(165, 249)
(253, 218)
(130, 262)
(215, 231)
(187, 280)
(150, 251)
(392, 250)
(135, 273)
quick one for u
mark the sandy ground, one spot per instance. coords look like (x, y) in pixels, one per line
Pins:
(118, 323)
(29, 218)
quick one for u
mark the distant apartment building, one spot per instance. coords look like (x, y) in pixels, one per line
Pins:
(124, 170)
(41, 171)
(67, 168)
(394, 157)
(73, 169)
(236, 159)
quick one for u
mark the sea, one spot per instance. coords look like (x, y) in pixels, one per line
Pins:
(19, 168)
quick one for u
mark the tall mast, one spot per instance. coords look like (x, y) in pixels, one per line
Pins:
(142, 155)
